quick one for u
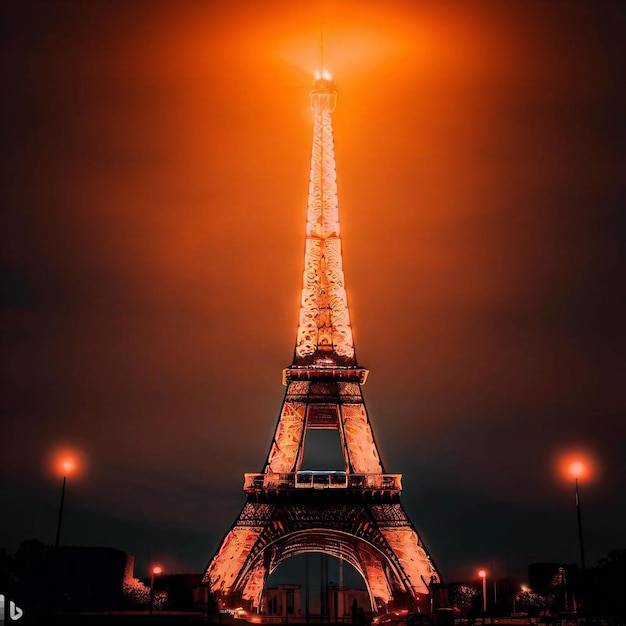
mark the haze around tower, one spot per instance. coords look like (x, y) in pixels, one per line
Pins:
(155, 168)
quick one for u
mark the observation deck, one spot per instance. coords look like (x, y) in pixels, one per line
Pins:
(325, 373)
(311, 480)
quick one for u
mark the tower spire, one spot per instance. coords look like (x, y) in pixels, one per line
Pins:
(322, 68)
(324, 336)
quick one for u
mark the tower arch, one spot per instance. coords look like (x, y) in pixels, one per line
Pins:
(379, 573)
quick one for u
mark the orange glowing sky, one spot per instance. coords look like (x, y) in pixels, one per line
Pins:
(155, 171)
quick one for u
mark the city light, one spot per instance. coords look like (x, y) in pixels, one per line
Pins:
(577, 469)
(576, 464)
(156, 570)
(482, 573)
(66, 462)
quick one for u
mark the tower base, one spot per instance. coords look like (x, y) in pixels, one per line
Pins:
(372, 533)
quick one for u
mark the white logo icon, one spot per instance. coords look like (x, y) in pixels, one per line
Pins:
(14, 611)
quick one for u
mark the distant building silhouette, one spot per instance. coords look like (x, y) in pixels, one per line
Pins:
(561, 581)
(89, 577)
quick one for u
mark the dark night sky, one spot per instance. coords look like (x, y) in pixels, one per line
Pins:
(155, 162)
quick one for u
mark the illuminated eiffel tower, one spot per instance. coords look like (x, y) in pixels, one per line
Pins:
(355, 515)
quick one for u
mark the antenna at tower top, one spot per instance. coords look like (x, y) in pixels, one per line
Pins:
(322, 48)
(322, 73)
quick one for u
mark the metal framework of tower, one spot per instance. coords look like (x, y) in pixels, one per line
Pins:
(355, 515)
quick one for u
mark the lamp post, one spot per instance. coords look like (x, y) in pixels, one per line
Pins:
(578, 464)
(577, 470)
(67, 465)
(155, 571)
(483, 574)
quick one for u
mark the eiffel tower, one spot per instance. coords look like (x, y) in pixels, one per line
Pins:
(354, 515)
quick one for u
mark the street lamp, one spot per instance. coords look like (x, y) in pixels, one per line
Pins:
(578, 464)
(66, 465)
(577, 469)
(483, 574)
(155, 571)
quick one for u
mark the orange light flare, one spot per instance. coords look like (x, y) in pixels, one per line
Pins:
(67, 462)
(157, 569)
(482, 573)
(374, 40)
(324, 74)
(577, 465)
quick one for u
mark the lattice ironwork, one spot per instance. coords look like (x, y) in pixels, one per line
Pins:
(362, 452)
(354, 515)
(350, 393)
(287, 438)
(352, 532)
(255, 514)
(297, 391)
(389, 514)
(324, 327)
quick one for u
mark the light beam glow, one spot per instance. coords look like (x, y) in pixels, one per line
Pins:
(576, 464)
(66, 462)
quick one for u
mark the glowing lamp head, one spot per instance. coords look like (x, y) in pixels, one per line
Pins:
(577, 469)
(482, 573)
(577, 464)
(157, 569)
(66, 462)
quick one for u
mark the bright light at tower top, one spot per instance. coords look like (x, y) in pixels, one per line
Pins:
(324, 95)
(323, 75)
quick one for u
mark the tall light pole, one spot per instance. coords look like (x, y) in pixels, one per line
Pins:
(156, 570)
(579, 464)
(483, 574)
(67, 465)
(577, 470)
